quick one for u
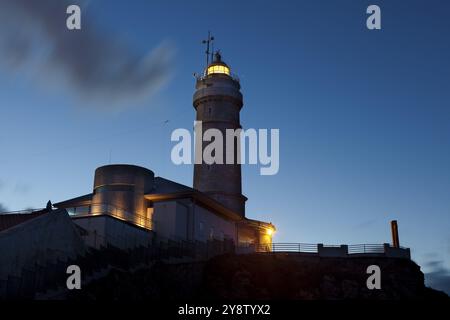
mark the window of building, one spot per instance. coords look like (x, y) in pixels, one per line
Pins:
(118, 187)
(82, 210)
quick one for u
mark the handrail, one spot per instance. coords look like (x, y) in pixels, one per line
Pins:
(204, 76)
(119, 213)
(317, 248)
(289, 247)
(25, 211)
(365, 248)
(99, 209)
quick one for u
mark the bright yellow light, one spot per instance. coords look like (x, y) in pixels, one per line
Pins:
(270, 232)
(218, 69)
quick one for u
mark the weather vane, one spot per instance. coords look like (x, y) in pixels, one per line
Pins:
(209, 42)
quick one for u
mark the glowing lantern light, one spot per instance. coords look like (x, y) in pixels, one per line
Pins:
(218, 68)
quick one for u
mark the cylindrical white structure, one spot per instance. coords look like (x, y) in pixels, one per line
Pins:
(119, 190)
(218, 101)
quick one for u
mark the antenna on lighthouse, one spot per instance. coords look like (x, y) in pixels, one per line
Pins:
(208, 42)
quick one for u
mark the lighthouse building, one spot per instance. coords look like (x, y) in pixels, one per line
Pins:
(130, 202)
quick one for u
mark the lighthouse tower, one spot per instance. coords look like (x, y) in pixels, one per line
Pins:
(218, 101)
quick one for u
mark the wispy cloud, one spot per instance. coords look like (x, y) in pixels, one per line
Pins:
(3, 208)
(93, 62)
(439, 277)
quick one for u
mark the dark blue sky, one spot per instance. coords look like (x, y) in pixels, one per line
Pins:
(363, 115)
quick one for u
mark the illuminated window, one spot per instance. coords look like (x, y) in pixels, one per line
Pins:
(218, 69)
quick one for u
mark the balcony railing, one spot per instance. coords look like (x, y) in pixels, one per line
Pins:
(287, 247)
(26, 211)
(329, 250)
(116, 212)
(204, 76)
(365, 248)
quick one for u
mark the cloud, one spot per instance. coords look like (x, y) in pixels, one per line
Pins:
(439, 277)
(95, 63)
(3, 208)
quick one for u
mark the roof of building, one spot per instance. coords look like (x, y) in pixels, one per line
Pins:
(168, 186)
(258, 224)
(9, 220)
(161, 186)
(84, 200)
(169, 190)
(200, 198)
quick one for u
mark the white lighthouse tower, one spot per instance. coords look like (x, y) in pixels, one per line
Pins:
(218, 102)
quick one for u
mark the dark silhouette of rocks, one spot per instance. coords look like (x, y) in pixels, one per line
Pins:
(265, 277)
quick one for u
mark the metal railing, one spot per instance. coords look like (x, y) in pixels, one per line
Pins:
(327, 250)
(26, 211)
(365, 248)
(204, 76)
(116, 212)
(99, 209)
(287, 247)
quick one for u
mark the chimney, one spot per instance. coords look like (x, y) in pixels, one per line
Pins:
(394, 230)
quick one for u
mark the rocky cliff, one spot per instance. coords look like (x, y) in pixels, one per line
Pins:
(262, 277)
